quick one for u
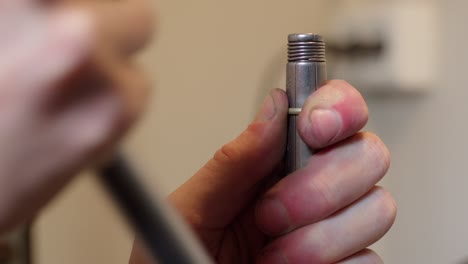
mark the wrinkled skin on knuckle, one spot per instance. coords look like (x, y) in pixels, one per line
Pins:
(378, 151)
(245, 149)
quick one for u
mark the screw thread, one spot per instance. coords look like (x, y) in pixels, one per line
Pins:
(306, 48)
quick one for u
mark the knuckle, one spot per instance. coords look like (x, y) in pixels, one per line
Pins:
(244, 150)
(227, 153)
(324, 195)
(377, 150)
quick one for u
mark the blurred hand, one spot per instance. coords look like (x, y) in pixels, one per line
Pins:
(68, 89)
(328, 212)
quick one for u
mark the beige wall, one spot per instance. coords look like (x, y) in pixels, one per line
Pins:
(427, 137)
(81, 226)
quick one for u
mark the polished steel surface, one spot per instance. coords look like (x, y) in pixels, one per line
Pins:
(306, 72)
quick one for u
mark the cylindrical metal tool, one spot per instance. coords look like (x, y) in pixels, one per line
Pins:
(306, 71)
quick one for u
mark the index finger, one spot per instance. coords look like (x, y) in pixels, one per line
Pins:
(334, 112)
(125, 25)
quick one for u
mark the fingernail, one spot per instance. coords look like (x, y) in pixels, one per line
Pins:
(272, 216)
(268, 109)
(325, 123)
(272, 257)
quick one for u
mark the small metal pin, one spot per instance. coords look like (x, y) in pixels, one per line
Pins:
(294, 111)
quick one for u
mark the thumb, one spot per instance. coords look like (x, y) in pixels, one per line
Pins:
(224, 186)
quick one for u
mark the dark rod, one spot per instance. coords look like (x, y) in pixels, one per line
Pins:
(166, 237)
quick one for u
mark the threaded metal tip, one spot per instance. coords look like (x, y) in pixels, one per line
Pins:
(306, 47)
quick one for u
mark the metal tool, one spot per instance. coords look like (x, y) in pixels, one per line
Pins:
(306, 71)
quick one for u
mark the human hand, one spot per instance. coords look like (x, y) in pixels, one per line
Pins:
(69, 91)
(328, 212)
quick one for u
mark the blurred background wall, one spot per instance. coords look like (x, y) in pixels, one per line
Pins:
(213, 61)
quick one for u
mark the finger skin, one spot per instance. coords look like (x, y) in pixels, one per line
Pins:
(332, 113)
(25, 82)
(229, 181)
(126, 25)
(90, 104)
(339, 236)
(62, 39)
(365, 256)
(334, 178)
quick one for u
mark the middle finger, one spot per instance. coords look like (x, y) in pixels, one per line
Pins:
(333, 179)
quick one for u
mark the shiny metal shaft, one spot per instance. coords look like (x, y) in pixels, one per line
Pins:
(306, 71)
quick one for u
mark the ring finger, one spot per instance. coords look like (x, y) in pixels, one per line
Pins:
(339, 236)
